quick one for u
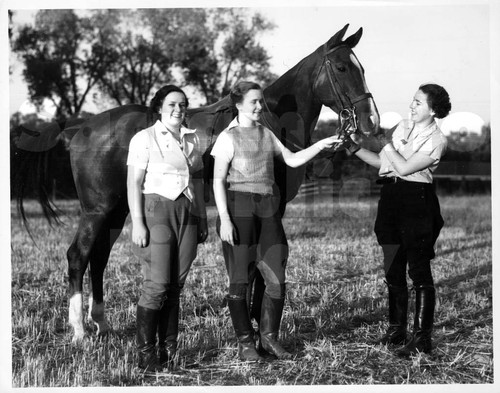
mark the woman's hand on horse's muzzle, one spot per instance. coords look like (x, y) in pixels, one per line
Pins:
(328, 143)
(348, 144)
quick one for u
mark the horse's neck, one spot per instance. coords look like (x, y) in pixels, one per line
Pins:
(292, 94)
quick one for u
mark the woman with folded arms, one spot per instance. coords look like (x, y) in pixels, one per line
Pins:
(408, 219)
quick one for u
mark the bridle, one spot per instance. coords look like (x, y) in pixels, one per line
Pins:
(347, 115)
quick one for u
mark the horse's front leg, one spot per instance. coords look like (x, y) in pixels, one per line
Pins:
(108, 233)
(98, 262)
(98, 316)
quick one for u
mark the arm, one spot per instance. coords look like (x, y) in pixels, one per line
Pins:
(369, 157)
(415, 163)
(377, 142)
(135, 178)
(301, 157)
(227, 230)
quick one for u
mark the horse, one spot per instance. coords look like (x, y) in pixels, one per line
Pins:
(330, 76)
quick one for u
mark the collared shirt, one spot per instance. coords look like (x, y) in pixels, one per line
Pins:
(406, 141)
(168, 163)
(250, 152)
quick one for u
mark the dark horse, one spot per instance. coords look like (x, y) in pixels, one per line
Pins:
(330, 76)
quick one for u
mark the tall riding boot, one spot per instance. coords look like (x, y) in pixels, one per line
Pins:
(256, 300)
(168, 328)
(270, 320)
(398, 310)
(147, 322)
(424, 319)
(243, 329)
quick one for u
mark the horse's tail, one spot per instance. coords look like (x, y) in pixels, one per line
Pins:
(30, 175)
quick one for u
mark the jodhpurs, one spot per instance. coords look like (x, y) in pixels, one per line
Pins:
(261, 243)
(407, 226)
(171, 250)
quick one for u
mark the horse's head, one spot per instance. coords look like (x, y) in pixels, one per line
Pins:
(340, 83)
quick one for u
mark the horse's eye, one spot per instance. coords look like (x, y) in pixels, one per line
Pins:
(341, 68)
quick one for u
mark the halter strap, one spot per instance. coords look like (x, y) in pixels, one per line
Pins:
(344, 99)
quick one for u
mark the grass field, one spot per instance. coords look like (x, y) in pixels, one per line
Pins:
(335, 311)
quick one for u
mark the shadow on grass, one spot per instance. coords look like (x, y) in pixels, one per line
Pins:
(470, 274)
(306, 234)
(477, 246)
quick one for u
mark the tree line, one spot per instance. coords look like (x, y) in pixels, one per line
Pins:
(122, 56)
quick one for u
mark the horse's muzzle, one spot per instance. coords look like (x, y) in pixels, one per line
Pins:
(371, 126)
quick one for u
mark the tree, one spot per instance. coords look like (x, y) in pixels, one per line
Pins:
(128, 54)
(211, 49)
(59, 64)
(224, 50)
(242, 56)
(139, 59)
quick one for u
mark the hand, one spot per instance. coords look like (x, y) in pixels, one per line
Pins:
(349, 144)
(384, 139)
(140, 235)
(202, 230)
(228, 232)
(355, 138)
(328, 143)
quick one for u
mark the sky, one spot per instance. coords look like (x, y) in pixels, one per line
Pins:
(403, 46)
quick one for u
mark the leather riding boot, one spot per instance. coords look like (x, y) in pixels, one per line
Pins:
(147, 322)
(168, 328)
(424, 319)
(243, 329)
(256, 299)
(270, 320)
(398, 310)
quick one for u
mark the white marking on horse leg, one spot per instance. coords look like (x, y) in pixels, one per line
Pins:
(97, 315)
(76, 317)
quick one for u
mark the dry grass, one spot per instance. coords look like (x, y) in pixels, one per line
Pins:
(335, 310)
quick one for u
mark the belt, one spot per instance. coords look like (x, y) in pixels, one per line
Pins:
(390, 180)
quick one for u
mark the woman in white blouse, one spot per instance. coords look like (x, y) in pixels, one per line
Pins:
(165, 197)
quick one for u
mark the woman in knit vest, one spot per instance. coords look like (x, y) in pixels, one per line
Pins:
(249, 222)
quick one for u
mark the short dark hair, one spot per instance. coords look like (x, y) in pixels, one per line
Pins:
(240, 89)
(157, 101)
(437, 99)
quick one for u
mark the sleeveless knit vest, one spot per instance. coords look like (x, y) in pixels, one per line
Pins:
(252, 167)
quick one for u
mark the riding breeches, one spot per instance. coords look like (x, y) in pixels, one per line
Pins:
(261, 242)
(407, 225)
(171, 250)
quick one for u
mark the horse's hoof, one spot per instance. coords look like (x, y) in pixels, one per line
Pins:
(77, 339)
(103, 328)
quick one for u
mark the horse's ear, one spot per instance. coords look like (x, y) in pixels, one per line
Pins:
(337, 38)
(353, 40)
